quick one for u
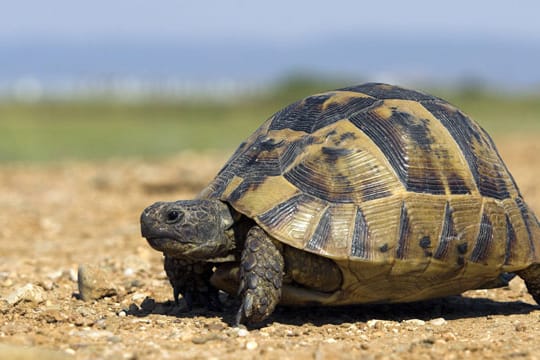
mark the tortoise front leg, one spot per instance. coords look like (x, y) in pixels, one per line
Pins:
(261, 277)
(192, 281)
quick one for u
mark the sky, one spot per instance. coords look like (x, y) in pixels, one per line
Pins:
(277, 20)
(191, 40)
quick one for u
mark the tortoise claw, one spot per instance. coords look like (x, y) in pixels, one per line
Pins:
(209, 299)
(245, 312)
(176, 295)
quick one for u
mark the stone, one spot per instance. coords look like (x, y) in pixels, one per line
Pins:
(94, 283)
(438, 322)
(415, 322)
(242, 332)
(138, 296)
(28, 292)
(251, 345)
(72, 274)
(46, 284)
(203, 339)
(519, 326)
(55, 275)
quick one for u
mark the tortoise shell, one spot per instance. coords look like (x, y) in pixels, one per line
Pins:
(383, 176)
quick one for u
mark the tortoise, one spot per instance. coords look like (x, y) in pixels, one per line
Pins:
(366, 194)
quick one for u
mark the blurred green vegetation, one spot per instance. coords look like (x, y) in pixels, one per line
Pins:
(103, 128)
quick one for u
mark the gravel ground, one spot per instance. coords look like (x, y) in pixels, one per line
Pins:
(61, 219)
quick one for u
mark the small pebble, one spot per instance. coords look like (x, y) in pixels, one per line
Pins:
(449, 336)
(73, 275)
(101, 324)
(86, 311)
(214, 326)
(372, 323)
(416, 322)
(114, 339)
(204, 338)
(46, 284)
(438, 322)
(129, 272)
(292, 333)
(517, 285)
(242, 332)
(28, 292)
(55, 275)
(251, 345)
(380, 324)
(122, 313)
(4, 306)
(138, 296)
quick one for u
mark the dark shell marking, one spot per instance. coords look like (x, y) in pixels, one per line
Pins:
(404, 233)
(359, 245)
(311, 114)
(489, 172)
(381, 174)
(448, 234)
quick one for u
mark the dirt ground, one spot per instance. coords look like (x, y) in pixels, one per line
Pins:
(56, 217)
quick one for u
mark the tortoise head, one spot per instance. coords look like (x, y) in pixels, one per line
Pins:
(189, 229)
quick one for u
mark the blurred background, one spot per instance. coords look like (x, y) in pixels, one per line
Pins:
(102, 79)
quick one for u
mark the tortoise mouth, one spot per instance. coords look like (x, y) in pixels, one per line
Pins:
(158, 242)
(189, 250)
(170, 246)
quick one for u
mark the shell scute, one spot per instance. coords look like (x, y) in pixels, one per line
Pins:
(420, 151)
(489, 172)
(318, 111)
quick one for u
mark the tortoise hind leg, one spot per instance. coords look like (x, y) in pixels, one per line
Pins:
(311, 271)
(531, 275)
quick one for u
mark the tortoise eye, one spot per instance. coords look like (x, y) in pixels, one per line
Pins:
(174, 216)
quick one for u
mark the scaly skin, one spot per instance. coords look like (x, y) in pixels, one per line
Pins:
(192, 281)
(261, 277)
